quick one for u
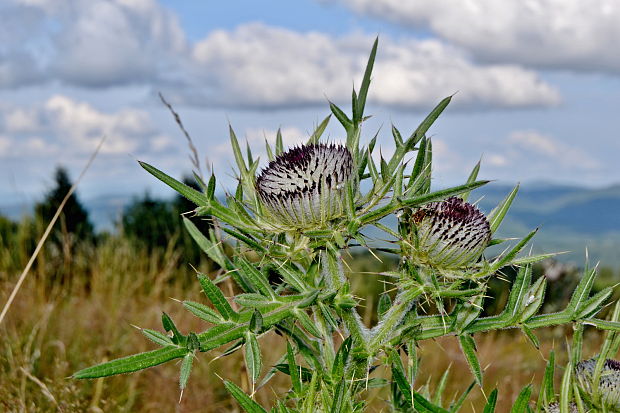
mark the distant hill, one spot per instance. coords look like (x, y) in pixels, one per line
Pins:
(570, 218)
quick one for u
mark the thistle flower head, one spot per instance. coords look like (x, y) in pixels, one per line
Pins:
(609, 383)
(305, 187)
(449, 234)
(555, 408)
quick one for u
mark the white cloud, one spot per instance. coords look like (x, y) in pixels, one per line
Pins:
(93, 43)
(5, 145)
(261, 66)
(534, 150)
(62, 125)
(564, 34)
(107, 43)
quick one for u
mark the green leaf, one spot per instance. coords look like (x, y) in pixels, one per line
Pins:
(248, 240)
(530, 335)
(459, 403)
(270, 155)
(307, 323)
(186, 369)
(157, 337)
(547, 393)
(442, 194)
(582, 291)
(216, 296)
(249, 405)
(499, 212)
(211, 188)
(468, 347)
(342, 358)
(506, 259)
(249, 153)
(254, 300)
(256, 322)
(203, 312)
(361, 100)
(491, 402)
(253, 358)
(534, 299)
(424, 405)
(522, 401)
(279, 143)
(385, 302)
(421, 130)
(441, 387)
(132, 363)
(256, 277)
(594, 304)
(237, 151)
(472, 178)
(398, 376)
(316, 135)
(398, 139)
(191, 194)
(212, 249)
(565, 389)
(177, 337)
(304, 373)
(339, 398)
(293, 369)
(341, 116)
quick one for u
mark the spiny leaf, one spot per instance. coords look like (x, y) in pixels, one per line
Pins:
(293, 369)
(157, 337)
(186, 369)
(429, 120)
(249, 405)
(499, 212)
(190, 193)
(468, 347)
(316, 135)
(361, 100)
(237, 151)
(253, 358)
(132, 363)
(522, 401)
(472, 178)
(491, 402)
(216, 296)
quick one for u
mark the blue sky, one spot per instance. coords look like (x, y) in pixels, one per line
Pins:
(537, 84)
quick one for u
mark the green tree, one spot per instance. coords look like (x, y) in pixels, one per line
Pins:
(74, 218)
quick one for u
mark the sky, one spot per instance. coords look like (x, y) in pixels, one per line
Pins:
(536, 85)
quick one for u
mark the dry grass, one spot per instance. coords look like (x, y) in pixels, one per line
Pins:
(53, 331)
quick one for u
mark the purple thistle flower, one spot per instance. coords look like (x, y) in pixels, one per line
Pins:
(449, 234)
(305, 187)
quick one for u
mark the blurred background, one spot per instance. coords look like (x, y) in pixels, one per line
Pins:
(536, 90)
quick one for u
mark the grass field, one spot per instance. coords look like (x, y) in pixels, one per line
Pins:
(86, 317)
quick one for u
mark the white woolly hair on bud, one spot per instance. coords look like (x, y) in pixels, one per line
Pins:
(450, 234)
(305, 187)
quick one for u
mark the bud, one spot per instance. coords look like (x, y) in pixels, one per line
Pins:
(555, 408)
(305, 187)
(609, 383)
(449, 234)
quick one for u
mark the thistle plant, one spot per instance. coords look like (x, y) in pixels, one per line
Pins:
(296, 217)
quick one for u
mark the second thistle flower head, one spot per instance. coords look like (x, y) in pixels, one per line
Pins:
(449, 234)
(608, 386)
(305, 187)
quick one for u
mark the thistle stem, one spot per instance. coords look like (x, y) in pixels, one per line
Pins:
(402, 304)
